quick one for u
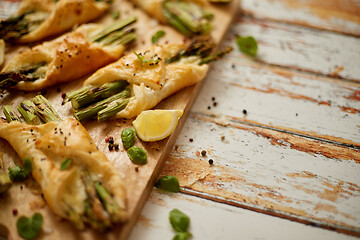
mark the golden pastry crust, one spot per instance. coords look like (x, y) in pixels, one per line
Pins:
(66, 58)
(47, 146)
(61, 16)
(149, 87)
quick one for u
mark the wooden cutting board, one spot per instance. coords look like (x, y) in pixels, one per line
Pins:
(25, 198)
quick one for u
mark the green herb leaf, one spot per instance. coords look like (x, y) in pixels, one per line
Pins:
(128, 137)
(65, 164)
(247, 45)
(137, 155)
(29, 228)
(115, 15)
(19, 174)
(179, 220)
(182, 236)
(168, 183)
(142, 60)
(157, 36)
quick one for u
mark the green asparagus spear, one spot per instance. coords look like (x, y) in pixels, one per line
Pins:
(112, 109)
(44, 110)
(10, 114)
(75, 218)
(27, 110)
(108, 202)
(119, 25)
(92, 110)
(90, 94)
(95, 211)
(199, 46)
(215, 56)
(9, 79)
(188, 17)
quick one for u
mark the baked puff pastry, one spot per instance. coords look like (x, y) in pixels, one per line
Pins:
(66, 58)
(38, 19)
(150, 77)
(90, 190)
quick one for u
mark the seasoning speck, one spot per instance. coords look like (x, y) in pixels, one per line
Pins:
(209, 107)
(191, 140)
(63, 95)
(111, 147)
(222, 138)
(14, 211)
(213, 98)
(203, 153)
(244, 111)
(211, 161)
(137, 169)
(116, 145)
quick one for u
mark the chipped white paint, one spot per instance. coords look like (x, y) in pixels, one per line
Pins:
(281, 99)
(251, 166)
(300, 15)
(215, 221)
(300, 48)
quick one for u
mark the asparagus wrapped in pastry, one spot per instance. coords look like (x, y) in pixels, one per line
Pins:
(188, 16)
(152, 75)
(38, 19)
(68, 57)
(78, 181)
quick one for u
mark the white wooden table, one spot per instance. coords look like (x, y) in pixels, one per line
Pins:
(289, 168)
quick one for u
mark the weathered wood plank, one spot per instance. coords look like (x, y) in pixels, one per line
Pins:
(342, 16)
(269, 171)
(137, 179)
(299, 48)
(211, 220)
(300, 103)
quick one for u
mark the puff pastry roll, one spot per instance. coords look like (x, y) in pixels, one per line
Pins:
(151, 79)
(68, 57)
(90, 190)
(190, 17)
(37, 19)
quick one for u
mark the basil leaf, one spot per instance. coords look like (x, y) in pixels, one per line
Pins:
(247, 45)
(157, 36)
(19, 174)
(128, 137)
(179, 220)
(29, 228)
(137, 155)
(168, 183)
(65, 164)
(182, 236)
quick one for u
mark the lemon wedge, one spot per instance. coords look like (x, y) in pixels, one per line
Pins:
(155, 125)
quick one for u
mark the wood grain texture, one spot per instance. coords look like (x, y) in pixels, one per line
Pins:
(215, 221)
(139, 182)
(268, 171)
(341, 16)
(298, 48)
(289, 101)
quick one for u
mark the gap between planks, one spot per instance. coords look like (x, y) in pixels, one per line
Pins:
(246, 14)
(274, 213)
(299, 69)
